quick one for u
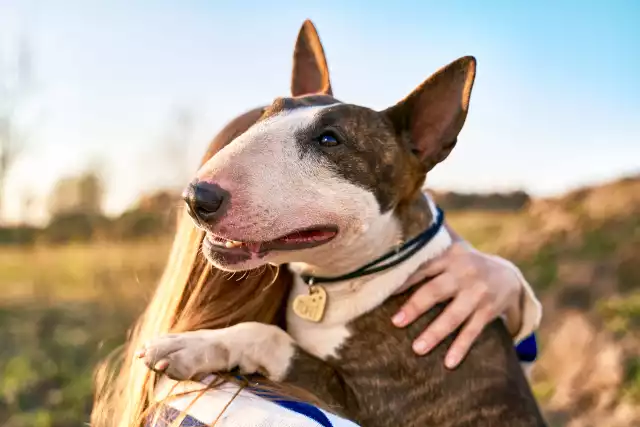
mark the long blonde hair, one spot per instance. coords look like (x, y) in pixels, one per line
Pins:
(191, 295)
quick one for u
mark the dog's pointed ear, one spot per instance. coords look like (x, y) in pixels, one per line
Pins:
(310, 72)
(433, 114)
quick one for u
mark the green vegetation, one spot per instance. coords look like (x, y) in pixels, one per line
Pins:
(631, 385)
(48, 357)
(621, 314)
(65, 307)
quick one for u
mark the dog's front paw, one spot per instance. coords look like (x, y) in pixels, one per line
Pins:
(252, 347)
(182, 356)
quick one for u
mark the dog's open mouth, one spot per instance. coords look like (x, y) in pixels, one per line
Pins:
(299, 239)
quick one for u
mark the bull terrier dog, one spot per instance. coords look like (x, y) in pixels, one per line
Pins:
(334, 191)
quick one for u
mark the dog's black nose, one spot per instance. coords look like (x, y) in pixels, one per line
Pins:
(205, 201)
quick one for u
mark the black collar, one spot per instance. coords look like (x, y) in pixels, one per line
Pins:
(404, 252)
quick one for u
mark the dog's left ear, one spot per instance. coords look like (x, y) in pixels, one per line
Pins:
(310, 73)
(433, 114)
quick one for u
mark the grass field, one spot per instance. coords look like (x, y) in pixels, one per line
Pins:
(64, 308)
(81, 272)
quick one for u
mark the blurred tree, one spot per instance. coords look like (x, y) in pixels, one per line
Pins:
(453, 200)
(154, 214)
(77, 194)
(16, 80)
(75, 208)
(27, 203)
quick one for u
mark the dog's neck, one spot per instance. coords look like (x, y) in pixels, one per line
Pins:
(351, 298)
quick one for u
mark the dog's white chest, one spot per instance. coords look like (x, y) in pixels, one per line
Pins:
(350, 300)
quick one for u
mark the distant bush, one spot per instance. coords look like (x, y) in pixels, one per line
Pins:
(75, 227)
(20, 235)
(512, 201)
(136, 224)
(153, 214)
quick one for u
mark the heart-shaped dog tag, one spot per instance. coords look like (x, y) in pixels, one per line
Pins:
(311, 307)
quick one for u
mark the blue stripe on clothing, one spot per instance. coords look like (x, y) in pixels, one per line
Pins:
(301, 408)
(305, 409)
(166, 415)
(527, 349)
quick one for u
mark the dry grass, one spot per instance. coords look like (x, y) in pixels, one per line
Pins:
(81, 272)
(63, 308)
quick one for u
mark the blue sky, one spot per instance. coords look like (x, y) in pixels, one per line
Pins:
(556, 102)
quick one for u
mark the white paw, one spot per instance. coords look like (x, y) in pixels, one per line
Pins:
(252, 347)
(182, 356)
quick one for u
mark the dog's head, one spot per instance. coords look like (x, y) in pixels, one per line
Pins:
(313, 173)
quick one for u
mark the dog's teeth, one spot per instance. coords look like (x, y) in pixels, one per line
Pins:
(232, 244)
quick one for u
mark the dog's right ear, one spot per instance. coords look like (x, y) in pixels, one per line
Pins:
(310, 72)
(431, 117)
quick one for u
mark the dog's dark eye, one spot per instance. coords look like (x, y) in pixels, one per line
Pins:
(328, 139)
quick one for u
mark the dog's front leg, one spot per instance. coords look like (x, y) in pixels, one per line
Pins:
(252, 347)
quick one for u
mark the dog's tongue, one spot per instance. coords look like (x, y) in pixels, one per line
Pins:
(254, 246)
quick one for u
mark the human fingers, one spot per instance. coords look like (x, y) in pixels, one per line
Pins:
(467, 336)
(458, 310)
(436, 290)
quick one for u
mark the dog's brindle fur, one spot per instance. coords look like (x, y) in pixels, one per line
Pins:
(378, 381)
(355, 358)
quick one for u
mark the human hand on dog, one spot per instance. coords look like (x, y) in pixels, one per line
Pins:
(482, 287)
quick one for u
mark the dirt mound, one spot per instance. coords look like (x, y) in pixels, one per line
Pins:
(582, 253)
